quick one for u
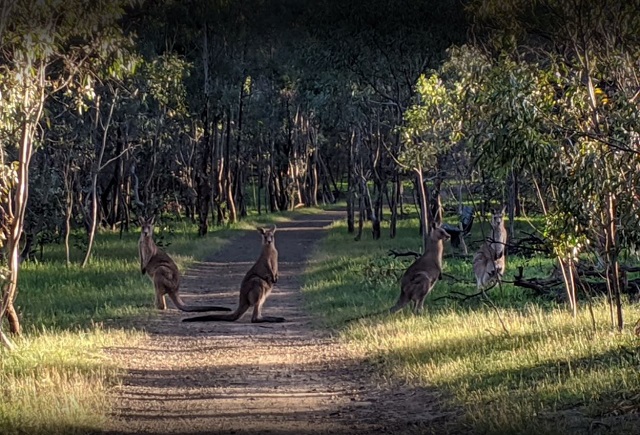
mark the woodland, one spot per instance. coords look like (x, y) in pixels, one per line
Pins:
(213, 111)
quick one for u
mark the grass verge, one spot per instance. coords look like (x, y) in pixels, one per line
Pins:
(548, 374)
(58, 378)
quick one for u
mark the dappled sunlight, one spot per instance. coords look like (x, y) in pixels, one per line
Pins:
(59, 377)
(503, 363)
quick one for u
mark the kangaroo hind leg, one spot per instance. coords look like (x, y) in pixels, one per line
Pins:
(424, 292)
(257, 317)
(403, 300)
(160, 302)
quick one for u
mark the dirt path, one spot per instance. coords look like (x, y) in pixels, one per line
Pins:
(241, 378)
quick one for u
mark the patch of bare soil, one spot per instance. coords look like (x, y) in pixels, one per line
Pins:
(243, 378)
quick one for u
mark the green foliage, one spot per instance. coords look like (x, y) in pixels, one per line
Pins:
(560, 372)
(431, 125)
(57, 379)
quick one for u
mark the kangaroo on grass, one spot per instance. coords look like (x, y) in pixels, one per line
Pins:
(255, 287)
(163, 272)
(420, 278)
(490, 261)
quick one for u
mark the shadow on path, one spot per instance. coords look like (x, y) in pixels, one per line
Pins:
(243, 378)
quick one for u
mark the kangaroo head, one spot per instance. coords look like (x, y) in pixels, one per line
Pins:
(146, 226)
(438, 233)
(268, 235)
(497, 218)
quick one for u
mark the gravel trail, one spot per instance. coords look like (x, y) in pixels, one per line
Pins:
(241, 378)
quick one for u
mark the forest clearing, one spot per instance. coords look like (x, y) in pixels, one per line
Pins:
(446, 195)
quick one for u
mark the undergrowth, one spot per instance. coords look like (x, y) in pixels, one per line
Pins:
(518, 365)
(57, 379)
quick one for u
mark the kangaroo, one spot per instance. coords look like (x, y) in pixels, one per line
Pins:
(163, 272)
(256, 285)
(420, 278)
(490, 260)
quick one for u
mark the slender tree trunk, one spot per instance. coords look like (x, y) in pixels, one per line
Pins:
(16, 211)
(68, 181)
(314, 178)
(393, 224)
(351, 188)
(219, 174)
(361, 211)
(202, 176)
(94, 180)
(424, 210)
(238, 186)
(231, 205)
(613, 265)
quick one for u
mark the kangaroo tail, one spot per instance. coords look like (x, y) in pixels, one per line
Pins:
(231, 317)
(177, 300)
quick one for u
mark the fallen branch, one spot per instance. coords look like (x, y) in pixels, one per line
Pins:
(397, 254)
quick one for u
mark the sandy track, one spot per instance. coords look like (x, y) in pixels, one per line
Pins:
(241, 378)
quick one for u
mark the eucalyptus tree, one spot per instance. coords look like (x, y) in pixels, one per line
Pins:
(383, 47)
(432, 126)
(586, 99)
(44, 44)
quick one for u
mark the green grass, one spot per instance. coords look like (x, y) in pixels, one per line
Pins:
(56, 382)
(57, 379)
(549, 374)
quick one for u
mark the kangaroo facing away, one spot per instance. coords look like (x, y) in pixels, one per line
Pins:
(489, 261)
(420, 278)
(256, 285)
(163, 271)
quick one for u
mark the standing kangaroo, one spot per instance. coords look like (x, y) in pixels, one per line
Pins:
(256, 285)
(489, 261)
(420, 278)
(163, 271)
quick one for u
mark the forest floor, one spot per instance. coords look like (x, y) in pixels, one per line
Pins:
(244, 378)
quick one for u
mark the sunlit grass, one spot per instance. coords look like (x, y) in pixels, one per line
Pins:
(56, 382)
(57, 379)
(548, 368)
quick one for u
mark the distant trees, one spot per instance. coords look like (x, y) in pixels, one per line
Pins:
(45, 48)
(210, 109)
(552, 99)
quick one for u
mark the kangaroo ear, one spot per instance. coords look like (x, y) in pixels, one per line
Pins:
(141, 220)
(152, 220)
(273, 230)
(260, 230)
(504, 209)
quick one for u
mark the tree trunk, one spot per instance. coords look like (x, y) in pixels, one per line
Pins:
(228, 187)
(203, 183)
(238, 185)
(361, 212)
(424, 210)
(351, 189)
(613, 266)
(94, 179)
(68, 181)
(16, 213)
(314, 178)
(393, 224)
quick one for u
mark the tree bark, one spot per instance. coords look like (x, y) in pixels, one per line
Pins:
(351, 188)
(228, 187)
(16, 212)
(424, 210)
(203, 181)
(94, 179)
(393, 226)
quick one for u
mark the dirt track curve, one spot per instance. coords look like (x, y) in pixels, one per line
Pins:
(241, 378)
